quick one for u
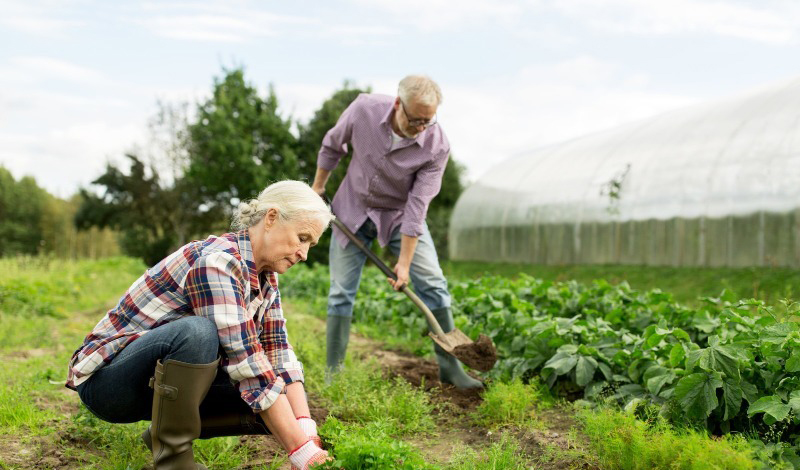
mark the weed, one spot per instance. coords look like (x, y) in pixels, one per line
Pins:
(505, 453)
(512, 403)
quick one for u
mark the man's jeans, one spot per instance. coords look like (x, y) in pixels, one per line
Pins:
(346, 266)
(119, 392)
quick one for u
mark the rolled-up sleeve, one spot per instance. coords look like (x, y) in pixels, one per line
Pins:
(215, 291)
(427, 183)
(275, 342)
(334, 144)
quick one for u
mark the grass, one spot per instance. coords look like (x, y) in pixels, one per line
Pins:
(621, 441)
(503, 454)
(371, 418)
(686, 284)
(512, 404)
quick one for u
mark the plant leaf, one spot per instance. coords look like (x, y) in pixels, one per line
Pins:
(697, 393)
(770, 405)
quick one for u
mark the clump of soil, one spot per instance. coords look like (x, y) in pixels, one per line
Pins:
(480, 355)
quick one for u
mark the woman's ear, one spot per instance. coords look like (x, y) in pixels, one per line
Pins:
(270, 218)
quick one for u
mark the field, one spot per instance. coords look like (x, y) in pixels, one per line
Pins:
(592, 375)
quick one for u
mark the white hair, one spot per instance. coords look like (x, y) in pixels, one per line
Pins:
(294, 200)
(421, 89)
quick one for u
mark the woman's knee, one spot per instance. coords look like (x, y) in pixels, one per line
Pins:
(198, 338)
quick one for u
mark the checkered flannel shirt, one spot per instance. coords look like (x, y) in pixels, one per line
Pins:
(214, 278)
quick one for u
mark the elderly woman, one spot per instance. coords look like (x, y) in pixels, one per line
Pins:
(198, 343)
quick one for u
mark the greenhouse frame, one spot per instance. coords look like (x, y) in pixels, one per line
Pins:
(712, 185)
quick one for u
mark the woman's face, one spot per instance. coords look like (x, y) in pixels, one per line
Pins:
(287, 243)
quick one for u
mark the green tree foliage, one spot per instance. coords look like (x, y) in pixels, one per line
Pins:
(22, 204)
(238, 144)
(309, 143)
(152, 217)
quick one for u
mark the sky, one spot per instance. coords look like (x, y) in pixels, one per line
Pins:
(80, 79)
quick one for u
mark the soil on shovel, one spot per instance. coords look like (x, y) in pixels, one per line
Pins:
(480, 355)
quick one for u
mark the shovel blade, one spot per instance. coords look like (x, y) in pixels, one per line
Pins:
(479, 356)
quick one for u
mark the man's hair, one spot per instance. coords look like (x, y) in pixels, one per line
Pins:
(421, 89)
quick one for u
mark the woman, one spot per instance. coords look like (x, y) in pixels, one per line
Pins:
(211, 309)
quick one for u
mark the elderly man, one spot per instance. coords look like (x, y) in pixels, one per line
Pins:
(399, 157)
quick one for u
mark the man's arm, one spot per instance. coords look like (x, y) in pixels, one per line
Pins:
(320, 180)
(408, 245)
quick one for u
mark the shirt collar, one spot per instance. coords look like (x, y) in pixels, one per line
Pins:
(246, 251)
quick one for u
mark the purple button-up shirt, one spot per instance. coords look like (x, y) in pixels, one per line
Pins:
(391, 186)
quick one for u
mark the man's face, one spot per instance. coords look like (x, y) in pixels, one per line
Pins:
(413, 117)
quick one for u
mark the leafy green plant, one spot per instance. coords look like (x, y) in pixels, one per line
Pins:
(368, 446)
(513, 403)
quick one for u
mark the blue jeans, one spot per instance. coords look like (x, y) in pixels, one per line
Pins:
(346, 266)
(119, 392)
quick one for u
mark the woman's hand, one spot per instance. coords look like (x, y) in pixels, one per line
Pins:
(307, 455)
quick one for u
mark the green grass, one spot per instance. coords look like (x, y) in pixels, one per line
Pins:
(686, 284)
(621, 441)
(512, 404)
(504, 454)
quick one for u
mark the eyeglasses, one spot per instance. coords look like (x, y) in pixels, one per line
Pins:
(417, 122)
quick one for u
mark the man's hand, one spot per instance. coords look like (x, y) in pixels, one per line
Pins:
(401, 271)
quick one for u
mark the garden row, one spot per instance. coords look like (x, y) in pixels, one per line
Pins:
(729, 366)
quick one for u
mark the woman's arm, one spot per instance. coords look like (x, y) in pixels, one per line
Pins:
(281, 422)
(296, 394)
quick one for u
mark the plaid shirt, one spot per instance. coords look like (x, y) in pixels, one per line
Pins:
(214, 278)
(390, 184)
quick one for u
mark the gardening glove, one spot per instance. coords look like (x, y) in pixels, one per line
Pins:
(309, 426)
(306, 455)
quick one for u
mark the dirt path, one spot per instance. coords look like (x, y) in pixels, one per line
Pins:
(558, 445)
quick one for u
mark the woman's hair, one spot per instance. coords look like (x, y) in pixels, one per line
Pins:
(294, 200)
(419, 88)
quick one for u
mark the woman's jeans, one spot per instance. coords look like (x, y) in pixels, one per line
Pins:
(120, 393)
(347, 263)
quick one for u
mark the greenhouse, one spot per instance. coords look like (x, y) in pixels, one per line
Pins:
(712, 185)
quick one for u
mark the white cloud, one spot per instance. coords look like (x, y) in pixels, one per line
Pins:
(33, 68)
(65, 158)
(435, 15)
(43, 19)
(772, 22)
(541, 105)
(216, 22)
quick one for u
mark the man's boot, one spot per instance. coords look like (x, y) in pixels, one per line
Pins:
(450, 369)
(178, 390)
(337, 337)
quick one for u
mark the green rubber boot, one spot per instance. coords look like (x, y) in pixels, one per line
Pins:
(337, 336)
(450, 369)
(178, 390)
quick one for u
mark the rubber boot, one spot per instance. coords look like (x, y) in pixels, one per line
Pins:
(178, 390)
(450, 369)
(338, 335)
(221, 425)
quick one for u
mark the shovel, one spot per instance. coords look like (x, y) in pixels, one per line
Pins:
(480, 355)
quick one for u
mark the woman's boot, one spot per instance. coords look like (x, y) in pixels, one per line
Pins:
(178, 390)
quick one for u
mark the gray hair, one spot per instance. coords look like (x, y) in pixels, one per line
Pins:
(294, 200)
(421, 89)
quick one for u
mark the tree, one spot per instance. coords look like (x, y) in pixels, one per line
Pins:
(21, 206)
(309, 142)
(238, 144)
(149, 215)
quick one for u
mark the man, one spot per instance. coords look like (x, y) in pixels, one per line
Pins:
(399, 157)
